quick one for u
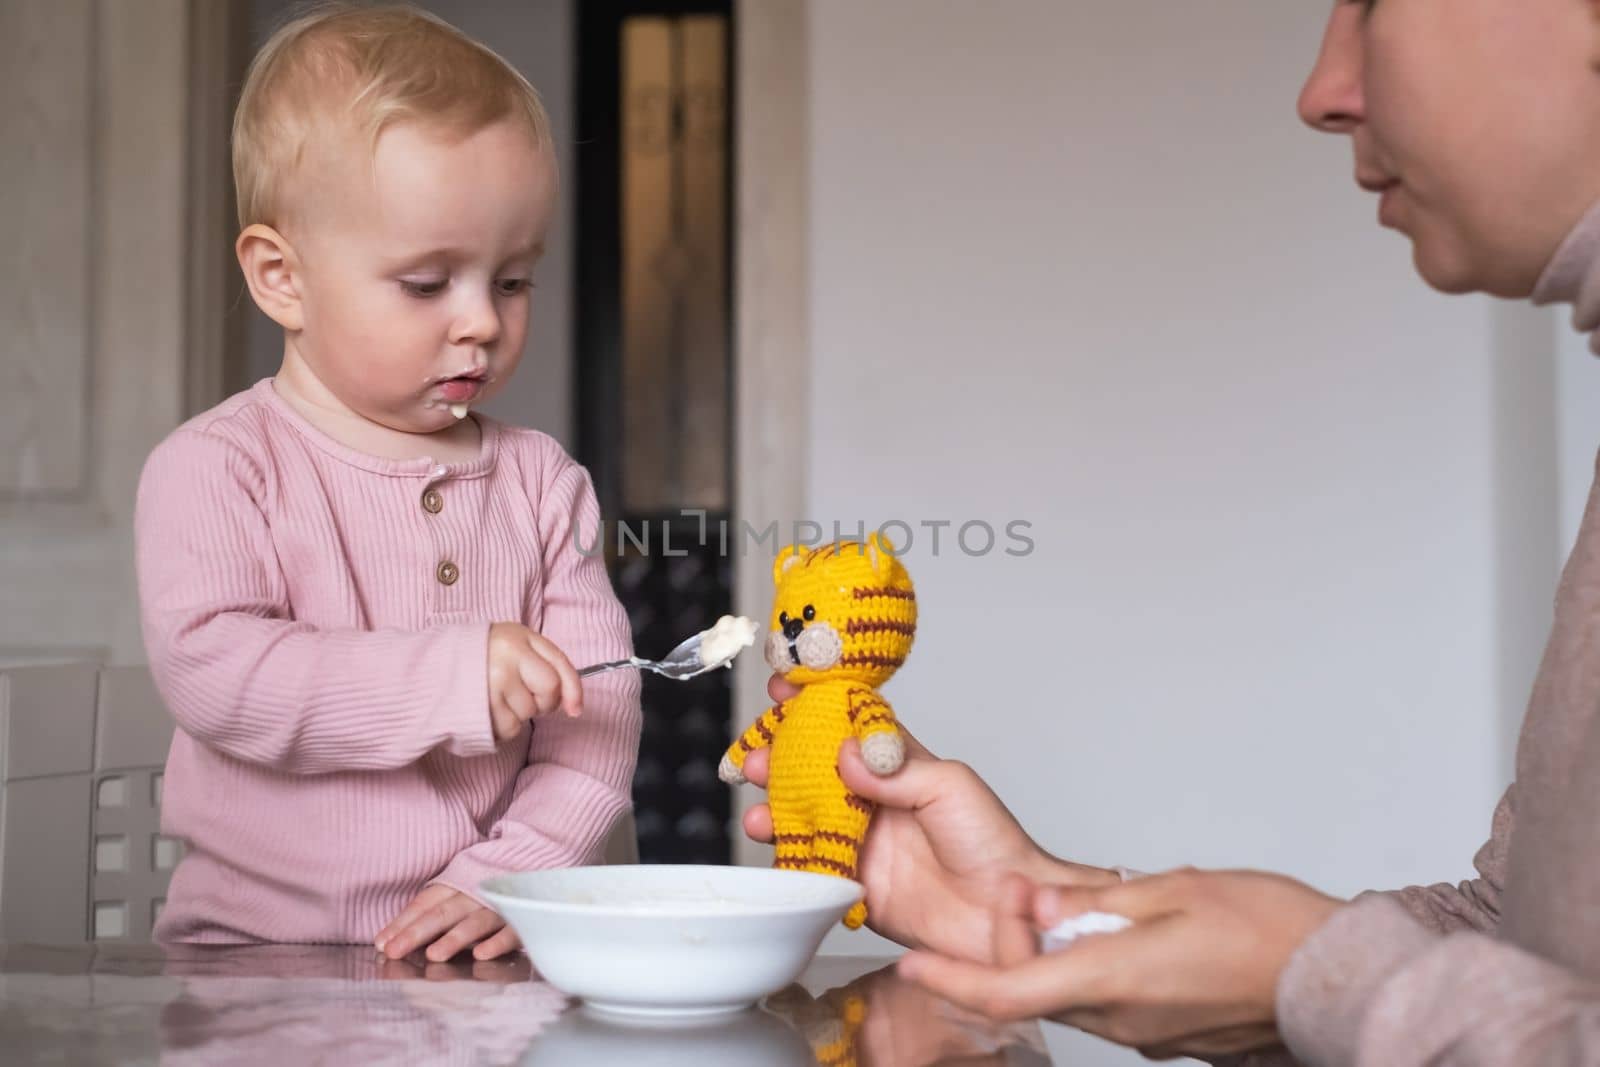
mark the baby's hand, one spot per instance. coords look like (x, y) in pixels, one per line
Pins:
(528, 677)
(440, 910)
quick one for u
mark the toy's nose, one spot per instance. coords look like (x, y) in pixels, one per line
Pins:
(792, 628)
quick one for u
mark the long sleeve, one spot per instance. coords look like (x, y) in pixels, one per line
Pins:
(580, 771)
(1374, 987)
(1470, 975)
(242, 676)
(1444, 908)
(1473, 905)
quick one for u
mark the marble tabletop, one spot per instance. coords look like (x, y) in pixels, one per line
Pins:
(299, 1006)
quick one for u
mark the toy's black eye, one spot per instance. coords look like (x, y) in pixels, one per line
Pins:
(783, 618)
(810, 613)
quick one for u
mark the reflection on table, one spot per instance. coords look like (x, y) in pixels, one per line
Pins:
(303, 1005)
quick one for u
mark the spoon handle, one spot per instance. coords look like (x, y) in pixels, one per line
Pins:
(614, 665)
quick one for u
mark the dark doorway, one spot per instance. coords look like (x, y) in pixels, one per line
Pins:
(653, 192)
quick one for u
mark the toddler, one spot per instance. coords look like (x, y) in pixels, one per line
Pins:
(357, 594)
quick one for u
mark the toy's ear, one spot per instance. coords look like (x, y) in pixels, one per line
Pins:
(877, 547)
(786, 559)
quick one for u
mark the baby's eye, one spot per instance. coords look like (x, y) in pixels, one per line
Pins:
(424, 288)
(513, 286)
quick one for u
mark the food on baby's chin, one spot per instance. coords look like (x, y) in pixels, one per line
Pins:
(458, 410)
(731, 635)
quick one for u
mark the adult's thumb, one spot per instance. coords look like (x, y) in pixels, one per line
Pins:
(910, 787)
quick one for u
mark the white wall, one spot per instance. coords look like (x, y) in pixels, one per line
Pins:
(535, 36)
(1077, 263)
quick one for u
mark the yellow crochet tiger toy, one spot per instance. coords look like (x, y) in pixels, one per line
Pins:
(830, 1023)
(843, 619)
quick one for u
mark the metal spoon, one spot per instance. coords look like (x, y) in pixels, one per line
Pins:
(681, 664)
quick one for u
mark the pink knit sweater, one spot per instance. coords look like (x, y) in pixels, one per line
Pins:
(317, 620)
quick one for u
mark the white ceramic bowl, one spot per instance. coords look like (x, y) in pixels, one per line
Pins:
(670, 940)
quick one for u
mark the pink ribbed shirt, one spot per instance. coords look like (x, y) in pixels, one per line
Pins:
(317, 621)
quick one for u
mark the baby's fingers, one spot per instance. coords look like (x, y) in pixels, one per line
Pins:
(498, 945)
(541, 680)
(478, 925)
(571, 686)
(509, 711)
(425, 920)
(420, 903)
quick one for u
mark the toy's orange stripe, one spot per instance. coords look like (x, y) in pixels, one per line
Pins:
(870, 702)
(846, 869)
(864, 592)
(867, 659)
(863, 626)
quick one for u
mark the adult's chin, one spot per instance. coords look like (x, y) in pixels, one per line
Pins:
(1458, 260)
(1444, 274)
(1448, 266)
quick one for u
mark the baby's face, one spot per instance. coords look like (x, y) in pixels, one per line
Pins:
(416, 269)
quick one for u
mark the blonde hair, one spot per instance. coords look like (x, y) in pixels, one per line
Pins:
(350, 67)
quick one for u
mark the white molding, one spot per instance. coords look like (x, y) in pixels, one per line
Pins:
(48, 77)
(772, 352)
(67, 559)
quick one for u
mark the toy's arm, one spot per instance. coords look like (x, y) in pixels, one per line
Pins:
(760, 735)
(871, 714)
(875, 727)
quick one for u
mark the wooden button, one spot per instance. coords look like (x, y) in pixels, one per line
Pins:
(433, 501)
(448, 573)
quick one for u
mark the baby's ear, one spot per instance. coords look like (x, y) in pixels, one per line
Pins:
(786, 559)
(270, 265)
